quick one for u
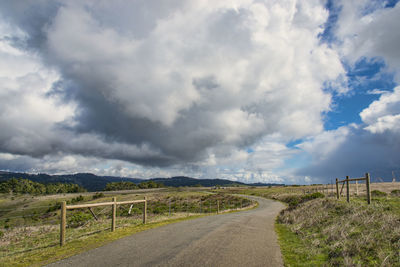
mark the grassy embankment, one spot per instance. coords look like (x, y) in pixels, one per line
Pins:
(27, 240)
(323, 231)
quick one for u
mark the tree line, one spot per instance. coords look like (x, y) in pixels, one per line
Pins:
(25, 186)
(115, 186)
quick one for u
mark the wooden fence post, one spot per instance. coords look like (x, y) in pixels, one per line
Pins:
(114, 214)
(187, 207)
(367, 182)
(347, 189)
(145, 211)
(337, 188)
(217, 206)
(63, 222)
(357, 188)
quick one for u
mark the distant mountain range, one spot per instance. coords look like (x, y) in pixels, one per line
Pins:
(97, 183)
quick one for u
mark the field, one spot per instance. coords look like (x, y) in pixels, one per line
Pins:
(316, 229)
(30, 224)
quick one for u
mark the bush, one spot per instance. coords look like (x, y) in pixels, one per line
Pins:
(54, 207)
(395, 192)
(377, 193)
(312, 196)
(78, 219)
(295, 200)
(160, 209)
(76, 199)
(97, 195)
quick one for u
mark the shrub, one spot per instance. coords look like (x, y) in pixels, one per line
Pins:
(97, 195)
(312, 196)
(160, 209)
(295, 200)
(76, 199)
(54, 207)
(377, 193)
(78, 219)
(395, 192)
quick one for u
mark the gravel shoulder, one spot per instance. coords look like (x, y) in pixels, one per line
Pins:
(244, 238)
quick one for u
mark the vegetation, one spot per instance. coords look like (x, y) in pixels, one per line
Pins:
(322, 231)
(94, 183)
(30, 224)
(25, 186)
(26, 252)
(116, 186)
(377, 193)
(296, 251)
(348, 234)
(395, 192)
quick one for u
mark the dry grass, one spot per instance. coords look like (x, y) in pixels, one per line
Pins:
(351, 234)
(328, 232)
(30, 234)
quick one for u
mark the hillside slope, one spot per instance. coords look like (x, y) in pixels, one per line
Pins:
(93, 182)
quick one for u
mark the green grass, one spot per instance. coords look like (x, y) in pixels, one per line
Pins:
(294, 250)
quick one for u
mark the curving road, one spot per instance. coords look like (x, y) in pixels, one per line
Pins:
(244, 238)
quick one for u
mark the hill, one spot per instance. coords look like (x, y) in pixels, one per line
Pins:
(94, 182)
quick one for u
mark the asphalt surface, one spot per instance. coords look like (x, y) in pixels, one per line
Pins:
(245, 238)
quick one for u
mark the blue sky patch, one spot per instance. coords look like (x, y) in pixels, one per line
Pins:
(365, 76)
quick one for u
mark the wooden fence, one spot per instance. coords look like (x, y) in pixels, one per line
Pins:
(114, 203)
(347, 182)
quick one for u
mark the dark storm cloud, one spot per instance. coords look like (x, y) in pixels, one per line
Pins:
(160, 83)
(361, 152)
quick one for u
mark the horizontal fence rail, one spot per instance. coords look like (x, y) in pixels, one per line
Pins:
(114, 203)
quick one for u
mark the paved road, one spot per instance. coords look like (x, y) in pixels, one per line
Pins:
(244, 238)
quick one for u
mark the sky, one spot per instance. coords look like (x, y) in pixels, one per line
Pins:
(273, 91)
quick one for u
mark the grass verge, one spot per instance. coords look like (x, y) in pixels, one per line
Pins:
(342, 234)
(318, 231)
(294, 250)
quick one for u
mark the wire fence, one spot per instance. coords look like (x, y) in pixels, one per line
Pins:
(28, 229)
